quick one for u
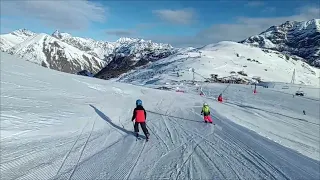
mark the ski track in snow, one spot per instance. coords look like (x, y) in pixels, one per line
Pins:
(73, 139)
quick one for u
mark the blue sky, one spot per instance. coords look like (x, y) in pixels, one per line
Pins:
(180, 23)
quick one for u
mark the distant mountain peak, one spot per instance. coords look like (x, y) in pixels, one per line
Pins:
(61, 35)
(292, 37)
(52, 53)
(126, 40)
(56, 33)
(23, 31)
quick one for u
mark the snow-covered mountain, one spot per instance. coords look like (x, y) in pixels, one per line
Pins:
(297, 38)
(99, 49)
(7, 41)
(133, 53)
(290, 43)
(107, 50)
(121, 55)
(52, 53)
(74, 54)
(226, 62)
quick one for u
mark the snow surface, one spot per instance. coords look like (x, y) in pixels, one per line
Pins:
(62, 126)
(222, 59)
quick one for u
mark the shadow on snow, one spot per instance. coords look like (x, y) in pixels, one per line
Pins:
(184, 119)
(107, 119)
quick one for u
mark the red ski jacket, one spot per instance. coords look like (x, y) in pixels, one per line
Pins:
(139, 113)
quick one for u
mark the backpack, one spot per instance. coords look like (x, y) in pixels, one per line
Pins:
(206, 109)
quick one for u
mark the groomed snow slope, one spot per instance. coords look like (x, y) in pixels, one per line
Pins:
(221, 59)
(62, 126)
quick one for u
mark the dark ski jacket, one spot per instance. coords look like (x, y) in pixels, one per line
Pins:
(140, 114)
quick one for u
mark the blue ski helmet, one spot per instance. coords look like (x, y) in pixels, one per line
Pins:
(138, 102)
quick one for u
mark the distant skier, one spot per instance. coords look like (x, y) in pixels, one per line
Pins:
(201, 92)
(220, 98)
(206, 113)
(140, 115)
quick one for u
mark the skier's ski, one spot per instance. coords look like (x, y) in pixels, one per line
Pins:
(137, 136)
(209, 123)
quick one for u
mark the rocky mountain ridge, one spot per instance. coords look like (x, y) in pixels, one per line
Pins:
(292, 37)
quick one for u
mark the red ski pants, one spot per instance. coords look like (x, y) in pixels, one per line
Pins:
(207, 118)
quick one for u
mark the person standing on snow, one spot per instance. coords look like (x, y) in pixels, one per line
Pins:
(140, 115)
(206, 113)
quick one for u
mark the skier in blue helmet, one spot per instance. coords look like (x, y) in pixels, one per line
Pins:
(140, 115)
(139, 102)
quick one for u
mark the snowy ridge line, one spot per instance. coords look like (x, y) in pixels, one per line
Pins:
(245, 106)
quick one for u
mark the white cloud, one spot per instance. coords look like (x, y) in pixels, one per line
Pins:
(121, 32)
(132, 32)
(66, 14)
(183, 16)
(244, 27)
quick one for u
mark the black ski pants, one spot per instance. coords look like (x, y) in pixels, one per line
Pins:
(143, 127)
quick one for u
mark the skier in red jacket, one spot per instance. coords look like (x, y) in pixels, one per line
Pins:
(140, 115)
